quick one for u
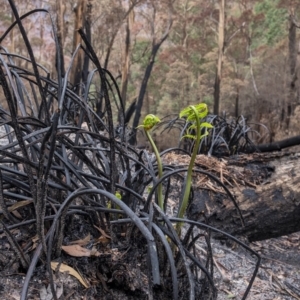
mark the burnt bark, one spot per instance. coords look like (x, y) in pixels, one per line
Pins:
(276, 146)
(221, 45)
(292, 88)
(126, 58)
(88, 32)
(142, 92)
(61, 10)
(116, 30)
(76, 72)
(270, 209)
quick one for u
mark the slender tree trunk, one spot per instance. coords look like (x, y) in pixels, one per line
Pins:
(142, 92)
(109, 48)
(88, 32)
(61, 9)
(154, 50)
(125, 69)
(115, 32)
(221, 39)
(147, 103)
(12, 35)
(291, 101)
(237, 102)
(76, 72)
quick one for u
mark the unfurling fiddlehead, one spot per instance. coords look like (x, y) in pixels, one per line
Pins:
(193, 114)
(149, 122)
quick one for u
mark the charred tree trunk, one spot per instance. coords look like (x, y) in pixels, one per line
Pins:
(12, 35)
(155, 47)
(126, 63)
(116, 30)
(221, 39)
(270, 209)
(237, 102)
(88, 32)
(142, 93)
(276, 146)
(76, 73)
(291, 101)
(61, 9)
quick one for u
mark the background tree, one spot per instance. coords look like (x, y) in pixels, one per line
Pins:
(167, 21)
(127, 54)
(170, 62)
(221, 49)
(79, 10)
(61, 30)
(293, 72)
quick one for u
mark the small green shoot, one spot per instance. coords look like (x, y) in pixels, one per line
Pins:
(193, 114)
(119, 196)
(149, 122)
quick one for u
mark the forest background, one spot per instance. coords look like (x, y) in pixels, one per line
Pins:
(241, 57)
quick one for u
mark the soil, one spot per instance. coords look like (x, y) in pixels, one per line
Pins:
(118, 268)
(278, 276)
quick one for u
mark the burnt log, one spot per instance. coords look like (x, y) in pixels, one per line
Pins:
(275, 146)
(267, 190)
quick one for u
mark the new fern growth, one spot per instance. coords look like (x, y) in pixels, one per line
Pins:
(194, 115)
(149, 122)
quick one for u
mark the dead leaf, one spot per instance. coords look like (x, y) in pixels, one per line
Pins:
(14, 207)
(19, 204)
(76, 250)
(103, 240)
(71, 271)
(95, 252)
(102, 232)
(34, 240)
(16, 214)
(82, 242)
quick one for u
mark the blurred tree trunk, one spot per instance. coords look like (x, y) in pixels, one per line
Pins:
(112, 38)
(12, 34)
(143, 88)
(127, 50)
(76, 71)
(237, 102)
(155, 47)
(60, 11)
(292, 76)
(221, 46)
(88, 32)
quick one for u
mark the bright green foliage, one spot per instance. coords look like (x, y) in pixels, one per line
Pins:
(118, 195)
(193, 114)
(189, 112)
(149, 122)
(193, 126)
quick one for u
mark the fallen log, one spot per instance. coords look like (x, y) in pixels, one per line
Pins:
(269, 198)
(266, 187)
(275, 146)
